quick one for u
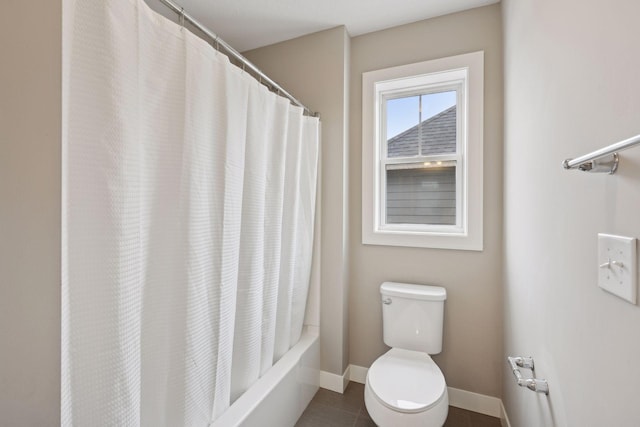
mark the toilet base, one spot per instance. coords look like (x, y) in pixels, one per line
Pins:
(435, 416)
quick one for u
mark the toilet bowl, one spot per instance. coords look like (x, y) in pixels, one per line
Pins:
(406, 388)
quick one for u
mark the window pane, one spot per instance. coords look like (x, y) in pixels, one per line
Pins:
(421, 195)
(421, 125)
(402, 115)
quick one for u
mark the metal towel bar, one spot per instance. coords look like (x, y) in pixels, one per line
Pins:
(604, 160)
(537, 385)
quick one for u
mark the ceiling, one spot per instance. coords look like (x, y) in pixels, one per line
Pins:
(248, 24)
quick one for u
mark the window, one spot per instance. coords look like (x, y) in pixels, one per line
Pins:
(422, 154)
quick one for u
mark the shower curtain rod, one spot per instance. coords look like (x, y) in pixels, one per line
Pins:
(262, 77)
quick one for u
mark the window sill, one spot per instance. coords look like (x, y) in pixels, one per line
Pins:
(433, 240)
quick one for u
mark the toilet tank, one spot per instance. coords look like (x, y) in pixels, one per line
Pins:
(412, 316)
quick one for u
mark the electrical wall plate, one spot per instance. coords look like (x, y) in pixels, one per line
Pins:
(618, 266)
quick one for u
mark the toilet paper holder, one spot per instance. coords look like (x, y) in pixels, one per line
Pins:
(537, 385)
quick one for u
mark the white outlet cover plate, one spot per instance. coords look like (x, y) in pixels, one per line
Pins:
(620, 280)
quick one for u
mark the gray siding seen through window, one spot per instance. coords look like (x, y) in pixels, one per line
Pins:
(421, 196)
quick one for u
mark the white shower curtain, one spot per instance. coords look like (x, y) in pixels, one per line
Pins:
(188, 211)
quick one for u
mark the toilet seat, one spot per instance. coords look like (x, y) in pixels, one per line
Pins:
(406, 381)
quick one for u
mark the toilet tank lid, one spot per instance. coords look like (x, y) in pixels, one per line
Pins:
(410, 290)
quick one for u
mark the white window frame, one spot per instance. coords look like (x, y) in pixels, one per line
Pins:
(465, 74)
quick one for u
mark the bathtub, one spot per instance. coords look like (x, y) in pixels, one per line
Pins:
(280, 396)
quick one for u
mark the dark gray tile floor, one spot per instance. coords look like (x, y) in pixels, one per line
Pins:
(330, 409)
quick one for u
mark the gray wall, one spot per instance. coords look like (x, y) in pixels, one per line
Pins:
(30, 120)
(315, 69)
(571, 86)
(471, 357)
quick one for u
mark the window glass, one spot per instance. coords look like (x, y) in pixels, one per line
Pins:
(420, 125)
(421, 194)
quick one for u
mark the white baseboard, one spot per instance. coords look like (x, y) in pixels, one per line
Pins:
(504, 419)
(345, 378)
(335, 382)
(483, 404)
(358, 374)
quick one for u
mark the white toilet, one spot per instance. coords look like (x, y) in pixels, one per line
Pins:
(404, 386)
